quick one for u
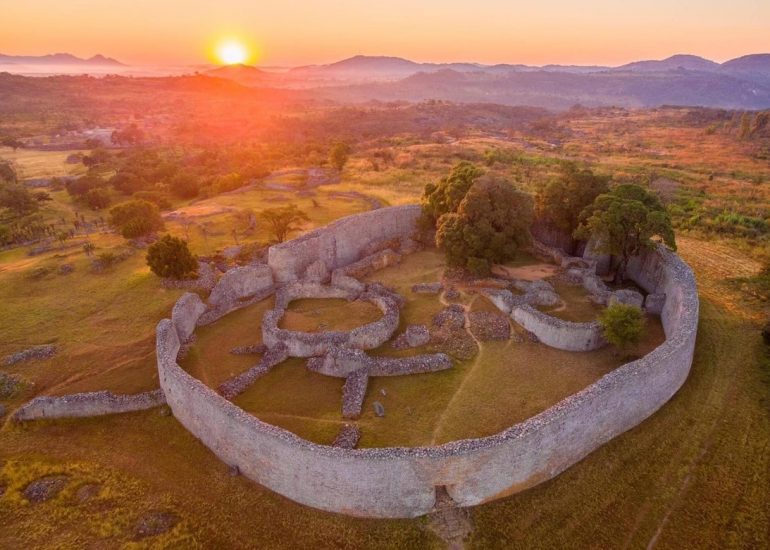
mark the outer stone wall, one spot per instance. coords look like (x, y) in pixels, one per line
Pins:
(401, 482)
(342, 242)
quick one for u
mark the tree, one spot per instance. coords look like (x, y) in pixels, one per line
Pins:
(445, 196)
(339, 154)
(130, 135)
(170, 257)
(81, 186)
(490, 226)
(13, 143)
(17, 199)
(89, 248)
(136, 218)
(7, 173)
(185, 185)
(624, 223)
(97, 199)
(561, 201)
(283, 220)
(623, 325)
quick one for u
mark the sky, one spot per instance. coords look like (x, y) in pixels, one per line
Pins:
(297, 32)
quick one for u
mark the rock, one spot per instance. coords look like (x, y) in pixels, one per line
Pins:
(165, 410)
(348, 437)
(379, 410)
(317, 272)
(231, 252)
(654, 303)
(626, 296)
(541, 293)
(383, 392)
(8, 385)
(254, 349)
(154, 523)
(452, 294)
(532, 337)
(240, 283)
(35, 352)
(413, 337)
(66, 269)
(486, 325)
(87, 492)
(427, 288)
(234, 470)
(45, 488)
(452, 316)
(185, 314)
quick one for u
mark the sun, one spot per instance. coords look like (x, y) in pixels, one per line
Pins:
(232, 52)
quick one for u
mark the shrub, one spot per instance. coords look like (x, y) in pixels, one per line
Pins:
(623, 325)
(96, 199)
(170, 257)
(338, 155)
(185, 185)
(17, 199)
(135, 218)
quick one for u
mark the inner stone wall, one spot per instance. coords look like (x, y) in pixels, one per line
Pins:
(342, 242)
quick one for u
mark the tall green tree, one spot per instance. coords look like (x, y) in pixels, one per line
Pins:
(490, 226)
(339, 154)
(136, 218)
(445, 196)
(625, 222)
(561, 201)
(283, 220)
(169, 257)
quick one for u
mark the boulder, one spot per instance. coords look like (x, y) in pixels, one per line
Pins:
(239, 283)
(185, 314)
(654, 303)
(317, 272)
(626, 296)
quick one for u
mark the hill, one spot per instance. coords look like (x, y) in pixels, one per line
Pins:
(58, 59)
(675, 62)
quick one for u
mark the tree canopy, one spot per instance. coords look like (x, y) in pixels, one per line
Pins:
(136, 218)
(283, 220)
(445, 196)
(491, 223)
(561, 201)
(338, 155)
(170, 257)
(625, 222)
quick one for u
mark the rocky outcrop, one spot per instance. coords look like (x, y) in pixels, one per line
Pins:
(185, 314)
(413, 337)
(239, 287)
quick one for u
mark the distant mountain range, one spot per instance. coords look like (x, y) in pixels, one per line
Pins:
(742, 83)
(58, 59)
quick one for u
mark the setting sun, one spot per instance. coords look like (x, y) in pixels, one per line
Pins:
(232, 52)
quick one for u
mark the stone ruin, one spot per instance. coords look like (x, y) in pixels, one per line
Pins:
(408, 482)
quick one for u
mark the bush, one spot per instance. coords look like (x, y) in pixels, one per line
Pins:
(136, 218)
(97, 199)
(623, 325)
(154, 197)
(185, 186)
(81, 186)
(170, 257)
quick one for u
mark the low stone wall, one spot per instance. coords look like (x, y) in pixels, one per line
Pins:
(312, 344)
(402, 482)
(78, 405)
(342, 362)
(558, 333)
(342, 242)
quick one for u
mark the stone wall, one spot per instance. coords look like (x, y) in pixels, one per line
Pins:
(87, 404)
(342, 242)
(558, 333)
(402, 482)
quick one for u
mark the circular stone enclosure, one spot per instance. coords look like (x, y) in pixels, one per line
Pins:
(314, 344)
(403, 481)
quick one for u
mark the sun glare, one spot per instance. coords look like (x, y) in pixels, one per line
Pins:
(232, 53)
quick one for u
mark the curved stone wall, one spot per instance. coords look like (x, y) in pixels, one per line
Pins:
(558, 333)
(402, 482)
(342, 242)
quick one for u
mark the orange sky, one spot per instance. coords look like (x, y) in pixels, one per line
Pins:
(311, 31)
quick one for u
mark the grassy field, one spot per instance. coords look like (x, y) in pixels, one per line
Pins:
(30, 163)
